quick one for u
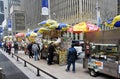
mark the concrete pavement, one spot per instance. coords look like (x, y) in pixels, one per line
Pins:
(57, 70)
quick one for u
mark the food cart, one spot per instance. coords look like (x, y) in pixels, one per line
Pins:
(60, 47)
(56, 33)
(107, 61)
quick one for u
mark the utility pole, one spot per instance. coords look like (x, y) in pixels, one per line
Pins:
(49, 15)
(98, 13)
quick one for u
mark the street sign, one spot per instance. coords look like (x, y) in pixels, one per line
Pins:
(45, 7)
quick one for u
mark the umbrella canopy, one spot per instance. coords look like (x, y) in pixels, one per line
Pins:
(5, 37)
(70, 29)
(43, 29)
(33, 34)
(113, 22)
(47, 22)
(28, 33)
(36, 30)
(85, 27)
(54, 26)
(20, 35)
(62, 26)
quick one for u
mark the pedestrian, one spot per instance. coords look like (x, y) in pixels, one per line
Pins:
(38, 50)
(15, 47)
(25, 49)
(71, 58)
(9, 46)
(29, 48)
(35, 51)
(4, 46)
(51, 51)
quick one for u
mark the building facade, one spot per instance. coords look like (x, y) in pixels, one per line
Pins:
(1, 12)
(18, 21)
(7, 6)
(13, 2)
(32, 10)
(70, 12)
(75, 11)
(118, 7)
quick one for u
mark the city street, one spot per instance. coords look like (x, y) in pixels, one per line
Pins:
(60, 31)
(56, 70)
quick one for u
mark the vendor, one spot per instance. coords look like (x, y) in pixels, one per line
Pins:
(51, 50)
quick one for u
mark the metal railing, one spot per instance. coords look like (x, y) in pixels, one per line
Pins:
(38, 69)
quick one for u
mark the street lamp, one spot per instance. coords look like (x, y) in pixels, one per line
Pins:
(98, 13)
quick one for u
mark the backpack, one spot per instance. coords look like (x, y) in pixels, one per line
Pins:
(72, 50)
(35, 47)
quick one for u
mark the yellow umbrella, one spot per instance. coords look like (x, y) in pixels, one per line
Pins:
(53, 26)
(85, 27)
(32, 37)
(43, 29)
(5, 38)
(80, 27)
(113, 22)
(48, 22)
(33, 34)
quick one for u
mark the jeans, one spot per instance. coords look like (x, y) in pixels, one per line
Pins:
(35, 55)
(16, 51)
(69, 64)
(4, 48)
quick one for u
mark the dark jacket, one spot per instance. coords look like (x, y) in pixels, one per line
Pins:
(29, 47)
(72, 55)
(51, 49)
(15, 45)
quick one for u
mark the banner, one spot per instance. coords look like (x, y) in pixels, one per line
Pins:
(45, 7)
(9, 25)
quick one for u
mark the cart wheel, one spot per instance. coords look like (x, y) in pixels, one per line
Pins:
(92, 73)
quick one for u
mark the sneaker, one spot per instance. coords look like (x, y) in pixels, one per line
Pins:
(73, 71)
(66, 70)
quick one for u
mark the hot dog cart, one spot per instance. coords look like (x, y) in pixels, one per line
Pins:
(106, 63)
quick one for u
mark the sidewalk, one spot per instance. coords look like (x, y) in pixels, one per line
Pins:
(57, 70)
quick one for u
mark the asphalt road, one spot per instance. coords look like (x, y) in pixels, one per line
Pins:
(10, 71)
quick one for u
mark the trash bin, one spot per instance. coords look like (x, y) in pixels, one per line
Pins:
(85, 63)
